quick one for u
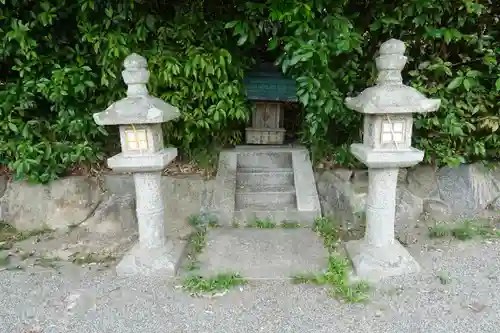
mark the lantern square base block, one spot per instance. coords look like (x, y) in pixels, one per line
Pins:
(162, 262)
(386, 158)
(375, 263)
(142, 163)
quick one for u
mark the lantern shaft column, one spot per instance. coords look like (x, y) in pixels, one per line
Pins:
(380, 206)
(150, 209)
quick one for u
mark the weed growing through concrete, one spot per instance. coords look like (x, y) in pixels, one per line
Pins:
(290, 225)
(444, 277)
(328, 229)
(10, 235)
(91, 258)
(196, 243)
(261, 224)
(197, 284)
(220, 282)
(48, 262)
(203, 220)
(337, 273)
(466, 230)
(337, 276)
(6, 263)
(197, 239)
(5, 260)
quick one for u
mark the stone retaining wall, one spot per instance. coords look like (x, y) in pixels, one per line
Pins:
(107, 205)
(103, 206)
(424, 195)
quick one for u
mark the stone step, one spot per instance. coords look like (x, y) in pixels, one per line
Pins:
(287, 213)
(264, 176)
(273, 197)
(266, 160)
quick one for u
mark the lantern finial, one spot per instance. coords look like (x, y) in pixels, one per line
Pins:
(390, 62)
(136, 75)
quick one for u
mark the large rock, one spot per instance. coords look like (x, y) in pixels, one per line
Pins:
(436, 210)
(62, 203)
(3, 184)
(342, 199)
(422, 182)
(114, 215)
(409, 208)
(467, 189)
(495, 205)
(184, 196)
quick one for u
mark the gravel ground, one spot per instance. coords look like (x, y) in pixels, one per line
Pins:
(74, 300)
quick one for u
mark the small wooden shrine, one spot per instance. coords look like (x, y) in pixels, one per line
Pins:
(269, 90)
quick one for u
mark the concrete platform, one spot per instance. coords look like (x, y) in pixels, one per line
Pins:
(152, 263)
(263, 253)
(374, 264)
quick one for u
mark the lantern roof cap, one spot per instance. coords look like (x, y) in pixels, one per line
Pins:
(138, 107)
(390, 95)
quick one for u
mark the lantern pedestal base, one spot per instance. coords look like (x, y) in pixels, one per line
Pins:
(160, 262)
(372, 263)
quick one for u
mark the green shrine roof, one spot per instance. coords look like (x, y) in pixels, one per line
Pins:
(269, 85)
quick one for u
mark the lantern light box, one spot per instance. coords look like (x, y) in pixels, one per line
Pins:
(141, 139)
(388, 131)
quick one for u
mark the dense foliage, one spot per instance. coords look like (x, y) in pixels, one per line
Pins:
(60, 61)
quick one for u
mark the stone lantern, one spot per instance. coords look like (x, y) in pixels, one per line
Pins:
(386, 147)
(139, 117)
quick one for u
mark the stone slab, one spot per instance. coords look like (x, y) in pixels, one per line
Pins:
(379, 159)
(158, 263)
(263, 253)
(374, 264)
(305, 184)
(142, 162)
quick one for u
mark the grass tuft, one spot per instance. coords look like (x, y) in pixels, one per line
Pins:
(290, 225)
(466, 230)
(221, 282)
(261, 224)
(337, 277)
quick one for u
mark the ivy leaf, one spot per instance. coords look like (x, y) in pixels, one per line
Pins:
(150, 22)
(497, 84)
(242, 40)
(13, 127)
(447, 36)
(230, 25)
(273, 43)
(467, 84)
(455, 83)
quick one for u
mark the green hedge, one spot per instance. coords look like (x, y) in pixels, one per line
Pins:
(60, 61)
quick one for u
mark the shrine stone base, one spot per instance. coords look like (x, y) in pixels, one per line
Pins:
(372, 263)
(162, 262)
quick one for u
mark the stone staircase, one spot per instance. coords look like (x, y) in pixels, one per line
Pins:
(258, 183)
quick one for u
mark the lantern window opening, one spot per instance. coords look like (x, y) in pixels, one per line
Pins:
(393, 132)
(136, 139)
